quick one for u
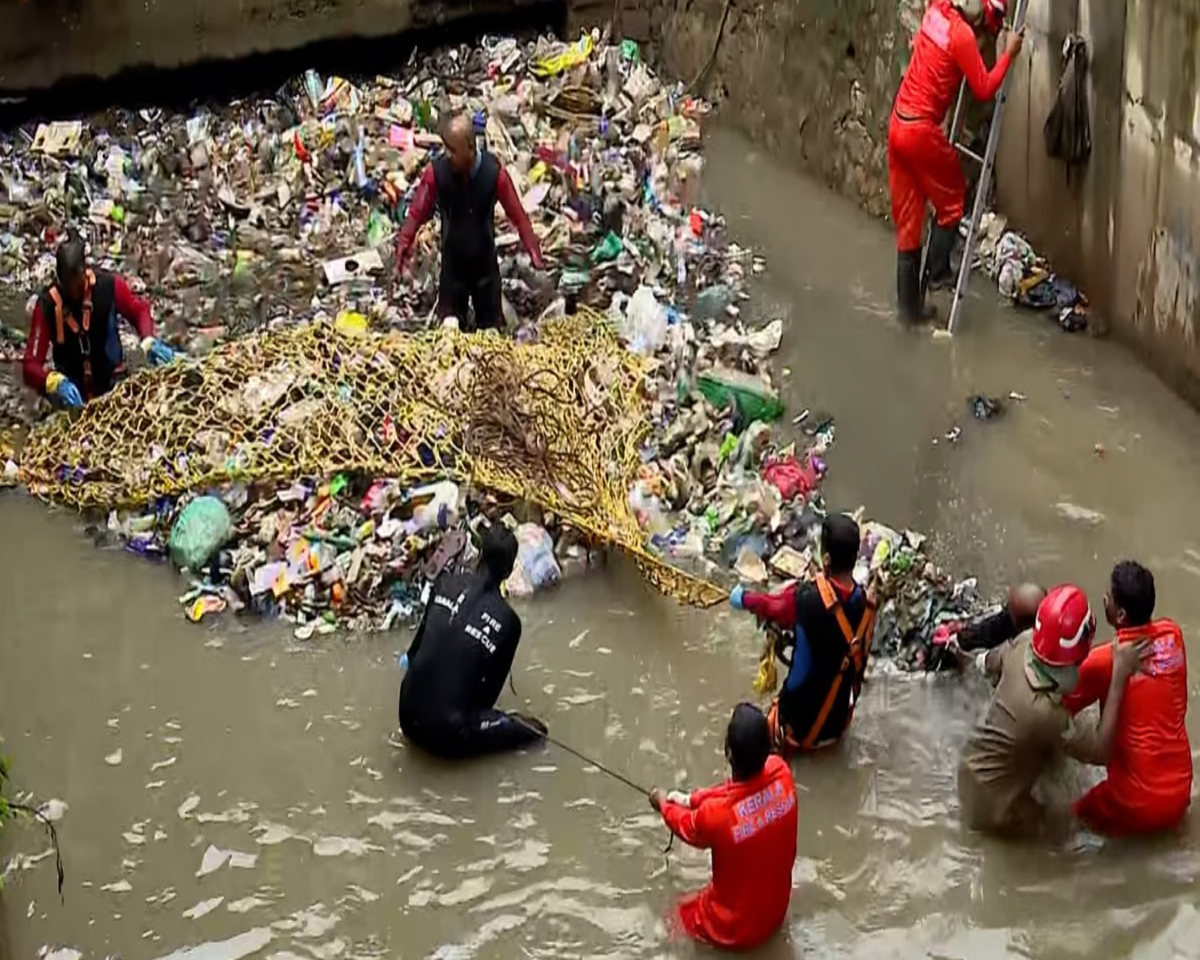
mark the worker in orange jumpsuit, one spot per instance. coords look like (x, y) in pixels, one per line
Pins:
(1143, 738)
(749, 823)
(922, 164)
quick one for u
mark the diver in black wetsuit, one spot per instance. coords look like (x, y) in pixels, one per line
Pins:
(459, 659)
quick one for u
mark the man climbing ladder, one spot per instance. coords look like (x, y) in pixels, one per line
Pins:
(922, 163)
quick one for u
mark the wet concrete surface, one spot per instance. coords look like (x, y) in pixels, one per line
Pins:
(362, 848)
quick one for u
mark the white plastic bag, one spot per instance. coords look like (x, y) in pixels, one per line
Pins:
(536, 567)
(645, 324)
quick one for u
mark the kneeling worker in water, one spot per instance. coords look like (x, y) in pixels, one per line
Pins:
(1143, 742)
(833, 619)
(749, 823)
(459, 659)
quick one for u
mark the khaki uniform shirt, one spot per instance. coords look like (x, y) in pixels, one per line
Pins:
(1019, 737)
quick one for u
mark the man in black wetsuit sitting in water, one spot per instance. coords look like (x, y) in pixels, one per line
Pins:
(459, 659)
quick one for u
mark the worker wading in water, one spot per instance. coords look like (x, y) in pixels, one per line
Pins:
(1143, 738)
(74, 321)
(1027, 728)
(463, 186)
(460, 658)
(749, 824)
(923, 166)
(832, 619)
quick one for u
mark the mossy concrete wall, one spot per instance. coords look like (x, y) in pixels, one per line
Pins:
(813, 80)
(1129, 227)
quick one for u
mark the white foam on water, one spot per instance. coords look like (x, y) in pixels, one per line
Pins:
(214, 860)
(342, 846)
(271, 834)
(60, 953)
(246, 904)
(203, 908)
(235, 948)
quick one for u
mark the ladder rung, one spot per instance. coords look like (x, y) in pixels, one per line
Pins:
(968, 152)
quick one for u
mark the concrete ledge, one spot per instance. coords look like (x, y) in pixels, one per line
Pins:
(46, 42)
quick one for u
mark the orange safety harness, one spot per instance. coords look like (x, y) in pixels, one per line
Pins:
(852, 670)
(64, 319)
(854, 664)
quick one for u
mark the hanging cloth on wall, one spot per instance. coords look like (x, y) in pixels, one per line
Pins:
(1068, 130)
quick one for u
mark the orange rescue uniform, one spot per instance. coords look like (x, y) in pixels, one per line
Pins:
(1149, 783)
(750, 826)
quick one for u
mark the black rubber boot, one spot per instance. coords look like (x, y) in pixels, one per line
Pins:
(908, 288)
(941, 245)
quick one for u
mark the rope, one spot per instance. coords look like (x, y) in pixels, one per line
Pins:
(619, 777)
(53, 832)
(702, 76)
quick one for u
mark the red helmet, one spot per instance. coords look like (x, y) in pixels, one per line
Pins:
(1063, 630)
(994, 12)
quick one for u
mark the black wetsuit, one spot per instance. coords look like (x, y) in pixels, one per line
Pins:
(457, 665)
(470, 270)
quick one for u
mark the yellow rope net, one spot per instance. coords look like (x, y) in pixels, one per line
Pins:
(557, 423)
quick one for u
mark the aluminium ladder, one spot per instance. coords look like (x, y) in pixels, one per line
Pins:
(988, 164)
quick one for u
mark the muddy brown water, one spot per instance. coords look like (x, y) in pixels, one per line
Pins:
(359, 847)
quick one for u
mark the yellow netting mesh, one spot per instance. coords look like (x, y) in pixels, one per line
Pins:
(557, 423)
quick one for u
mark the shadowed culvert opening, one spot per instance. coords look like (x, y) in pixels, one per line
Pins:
(222, 80)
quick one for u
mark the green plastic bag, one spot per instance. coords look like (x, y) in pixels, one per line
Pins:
(199, 532)
(755, 401)
(607, 249)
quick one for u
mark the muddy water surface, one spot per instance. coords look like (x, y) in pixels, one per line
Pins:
(236, 794)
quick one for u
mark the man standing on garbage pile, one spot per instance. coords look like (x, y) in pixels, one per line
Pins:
(1143, 742)
(749, 823)
(75, 321)
(923, 166)
(832, 619)
(1027, 728)
(459, 659)
(463, 185)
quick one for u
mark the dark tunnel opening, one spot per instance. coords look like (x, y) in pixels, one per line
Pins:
(219, 79)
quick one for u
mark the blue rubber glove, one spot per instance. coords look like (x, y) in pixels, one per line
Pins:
(157, 353)
(736, 597)
(63, 390)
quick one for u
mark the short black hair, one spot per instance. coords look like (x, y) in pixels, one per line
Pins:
(840, 539)
(71, 258)
(1132, 589)
(747, 741)
(498, 552)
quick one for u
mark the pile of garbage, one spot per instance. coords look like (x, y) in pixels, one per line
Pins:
(318, 457)
(350, 553)
(283, 210)
(1025, 278)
